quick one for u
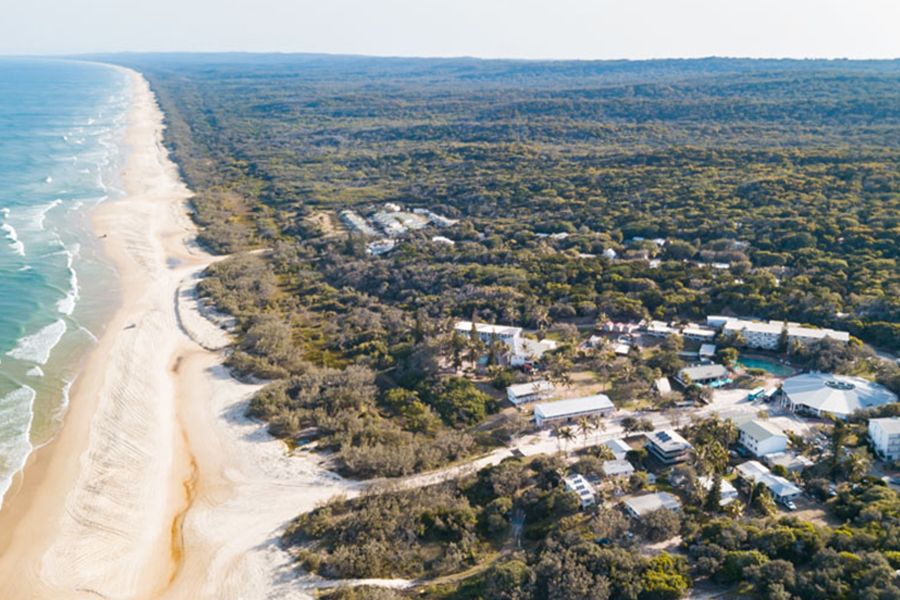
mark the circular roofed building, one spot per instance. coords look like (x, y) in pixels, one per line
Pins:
(840, 396)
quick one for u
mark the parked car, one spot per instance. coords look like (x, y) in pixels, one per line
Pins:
(789, 504)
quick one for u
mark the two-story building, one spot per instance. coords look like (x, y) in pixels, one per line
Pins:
(761, 438)
(668, 446)
(885, 436)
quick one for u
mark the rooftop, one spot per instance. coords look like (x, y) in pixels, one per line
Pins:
(890, 425)
(760, 430)
(840, 395)
(707, 350)
(466, 326)
(668, 440)
(618, 447)
(561, 408)
(753, 326)
(532, 387)
(614, 468)
(648, 503)
(701, 372)
(758, 473)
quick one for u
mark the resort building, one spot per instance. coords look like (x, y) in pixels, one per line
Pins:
(379, 247)
(489, 333)
(667, 446)
(569, 411)
(807, 335)
(618, 447)
(520, 351)
(885, 436)
(821, 394)
(755, 472)
(526, 351)
(523, 393)
(702, 375)
(756, 334)
(767, 335)
(707, 351)
(640, 506)
(355, 222)
(659, 329)
(663, 386)
(792, 462)
(699, 333)
(577, 484)
(727, 492)
(617, 468)
(761, 438)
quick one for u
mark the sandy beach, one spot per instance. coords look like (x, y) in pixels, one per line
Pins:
(157, 485)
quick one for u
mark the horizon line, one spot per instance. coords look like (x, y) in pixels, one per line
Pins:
(288, 53)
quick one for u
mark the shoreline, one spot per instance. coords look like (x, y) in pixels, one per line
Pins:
(157, 485)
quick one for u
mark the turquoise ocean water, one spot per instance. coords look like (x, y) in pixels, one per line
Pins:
(61, 128)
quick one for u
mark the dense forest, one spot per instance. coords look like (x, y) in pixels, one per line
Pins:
(582, 191)
(783, 172)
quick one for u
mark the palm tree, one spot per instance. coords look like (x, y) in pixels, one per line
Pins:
(585, 427)
(566, 434)
(599, 425)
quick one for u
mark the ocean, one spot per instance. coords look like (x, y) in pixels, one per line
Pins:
(61, 132)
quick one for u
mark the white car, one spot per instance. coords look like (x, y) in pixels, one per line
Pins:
(789, 504)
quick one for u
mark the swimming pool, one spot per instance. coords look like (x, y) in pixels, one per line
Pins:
(766, 364)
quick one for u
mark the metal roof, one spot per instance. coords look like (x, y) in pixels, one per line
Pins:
(760, 430)
(648, 503)
(532, 387)
(836, 394)
(561, 408)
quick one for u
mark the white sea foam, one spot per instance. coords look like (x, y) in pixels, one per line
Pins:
(36, 347)
(48, 179)
(16, 415)
(12, 236)
(67, 305)
(35, 371)
(41, 214)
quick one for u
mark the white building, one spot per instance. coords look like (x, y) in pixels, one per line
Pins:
(522, 393)
(821, 394)
(659, 329)
(639, 506)
(520, 350)
(727, 492)
(569, 411)
(355, 222)
(707, 351)
(762, 438)
(489, 333)
(663, 386)
(756, 334)
(617, 468)
(526, 351)
(767, 335)
(379, 247)
(791, 461)
(668, 446)
(699, 333)
(702, 374)
(885, 436)
(618, 447)
(582, 488)
(782, 489)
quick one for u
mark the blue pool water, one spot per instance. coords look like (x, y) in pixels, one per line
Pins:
(768, 365)
(60, 131)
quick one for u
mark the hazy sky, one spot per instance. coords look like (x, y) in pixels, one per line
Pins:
(487, 28)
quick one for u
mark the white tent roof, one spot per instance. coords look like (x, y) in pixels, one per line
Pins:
(836, 394)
